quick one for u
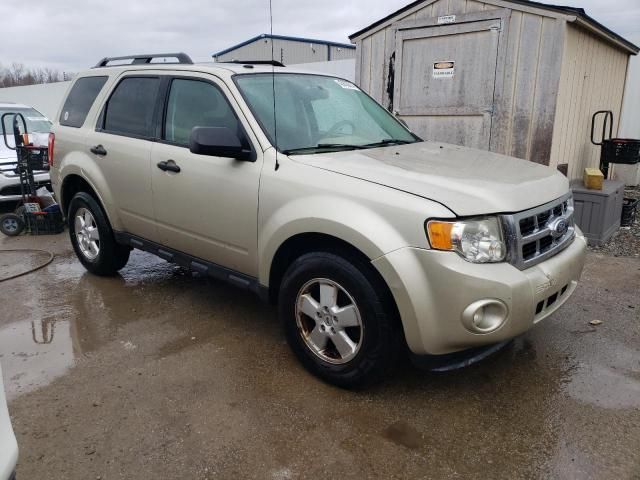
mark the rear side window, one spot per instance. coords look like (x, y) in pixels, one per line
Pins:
(79, 101)
(130, 109)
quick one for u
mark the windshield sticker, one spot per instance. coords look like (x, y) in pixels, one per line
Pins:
(347, 85)
(443, 69)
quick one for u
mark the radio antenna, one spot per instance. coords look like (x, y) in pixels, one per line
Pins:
(273, 86)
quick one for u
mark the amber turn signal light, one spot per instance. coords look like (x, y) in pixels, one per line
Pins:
(440, 234)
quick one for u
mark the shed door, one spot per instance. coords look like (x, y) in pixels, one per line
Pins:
(444, 81)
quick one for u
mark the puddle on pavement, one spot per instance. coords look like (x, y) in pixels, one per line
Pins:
(401, 433)
(54, 316)
(615, 385)
(34, 353)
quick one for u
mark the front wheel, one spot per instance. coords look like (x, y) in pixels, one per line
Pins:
(92, 237)
(337, 319)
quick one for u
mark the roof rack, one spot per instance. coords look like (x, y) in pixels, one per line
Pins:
(146, 58)
(273, 63)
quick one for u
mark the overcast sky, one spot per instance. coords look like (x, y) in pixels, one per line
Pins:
(74, 34)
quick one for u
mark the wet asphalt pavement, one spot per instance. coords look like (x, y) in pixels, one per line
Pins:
(159, 374)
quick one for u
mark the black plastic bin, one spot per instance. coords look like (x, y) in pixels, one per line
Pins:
(613, 150)
(629, 207)
(44, 223)
(621, 150)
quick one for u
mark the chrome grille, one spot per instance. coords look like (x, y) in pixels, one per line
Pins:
(537, 234)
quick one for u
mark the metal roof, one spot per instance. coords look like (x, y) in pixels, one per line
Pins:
(283, 37)
(579, 13)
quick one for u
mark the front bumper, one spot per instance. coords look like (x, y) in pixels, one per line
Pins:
(432, 289)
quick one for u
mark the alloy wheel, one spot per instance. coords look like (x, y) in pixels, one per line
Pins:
(329, 321)
(87, 234)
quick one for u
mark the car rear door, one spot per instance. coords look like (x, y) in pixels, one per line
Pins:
(209, 208)
(121, 148)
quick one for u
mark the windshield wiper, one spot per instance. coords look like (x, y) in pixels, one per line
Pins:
(323, 146)
(388, 141)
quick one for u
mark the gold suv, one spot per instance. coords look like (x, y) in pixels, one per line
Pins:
(304, 190)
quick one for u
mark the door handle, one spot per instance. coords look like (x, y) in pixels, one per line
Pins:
(169, 166)
(98, 150)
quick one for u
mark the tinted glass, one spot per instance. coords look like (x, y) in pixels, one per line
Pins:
(196, 104)
(79, 101)
(131, 106)
(313, 110)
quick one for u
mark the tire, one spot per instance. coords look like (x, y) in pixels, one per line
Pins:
(374, 345)
(94, 242)
(11, 224)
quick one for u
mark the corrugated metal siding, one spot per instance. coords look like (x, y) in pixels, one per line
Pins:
(341, 53)
(287, 51)
(593, 78)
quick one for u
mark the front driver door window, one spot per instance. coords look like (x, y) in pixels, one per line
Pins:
(209, 208)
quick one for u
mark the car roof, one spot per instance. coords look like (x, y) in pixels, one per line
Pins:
(218, 68)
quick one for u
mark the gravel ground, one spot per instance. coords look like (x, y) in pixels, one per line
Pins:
(626, 242)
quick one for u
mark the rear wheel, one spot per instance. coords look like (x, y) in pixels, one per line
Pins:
(337, 320)
(92, 237)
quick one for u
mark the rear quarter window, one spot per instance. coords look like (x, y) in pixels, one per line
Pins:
(79, 101)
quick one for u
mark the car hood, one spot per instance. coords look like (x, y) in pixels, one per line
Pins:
(465, 180)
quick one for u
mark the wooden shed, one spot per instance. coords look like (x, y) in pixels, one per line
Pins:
(515, 77)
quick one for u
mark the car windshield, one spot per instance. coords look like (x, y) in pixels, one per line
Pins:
(36, 122)
(316, 113)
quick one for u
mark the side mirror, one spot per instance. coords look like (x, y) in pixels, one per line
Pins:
(218, 142)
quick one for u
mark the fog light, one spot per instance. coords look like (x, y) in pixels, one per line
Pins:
(485, 316)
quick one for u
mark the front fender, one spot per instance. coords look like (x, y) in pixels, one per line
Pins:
(343, 218)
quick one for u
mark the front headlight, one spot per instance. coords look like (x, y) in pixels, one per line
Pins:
(478, 241)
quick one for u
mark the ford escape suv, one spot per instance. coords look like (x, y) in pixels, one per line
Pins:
(367, 238)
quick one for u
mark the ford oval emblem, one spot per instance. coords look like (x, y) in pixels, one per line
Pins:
(559, 227)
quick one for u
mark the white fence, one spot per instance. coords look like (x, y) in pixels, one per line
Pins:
(44, 98)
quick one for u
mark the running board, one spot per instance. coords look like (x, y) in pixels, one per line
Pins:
(194, 264)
